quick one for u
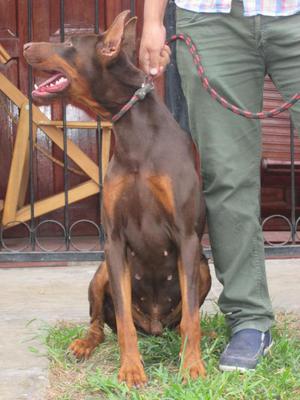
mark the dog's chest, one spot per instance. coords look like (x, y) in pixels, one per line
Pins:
(133, 197)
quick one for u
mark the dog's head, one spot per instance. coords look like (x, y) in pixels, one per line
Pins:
(95, 70)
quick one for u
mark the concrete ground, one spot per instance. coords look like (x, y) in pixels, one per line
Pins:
(31, 296)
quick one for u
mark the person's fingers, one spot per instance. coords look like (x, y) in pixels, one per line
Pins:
(167, 49)
(164, 60)
(165, 57)
(154, 62)
(152, 43)
(144, 58)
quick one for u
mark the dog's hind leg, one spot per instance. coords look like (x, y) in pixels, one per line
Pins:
(204, 287)
(82, 348)
(205, 279)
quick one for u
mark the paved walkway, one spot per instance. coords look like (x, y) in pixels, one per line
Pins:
(30, 296)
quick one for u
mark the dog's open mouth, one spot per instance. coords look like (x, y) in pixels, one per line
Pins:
(52, 86)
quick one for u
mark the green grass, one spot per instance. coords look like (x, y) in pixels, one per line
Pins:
(276, 378)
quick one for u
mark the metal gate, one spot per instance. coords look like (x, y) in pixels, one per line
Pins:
(30, 245)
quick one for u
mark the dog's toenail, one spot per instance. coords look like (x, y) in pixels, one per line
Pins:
(169, 277)
(166, 253)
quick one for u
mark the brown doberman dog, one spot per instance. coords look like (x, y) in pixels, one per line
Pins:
(155, 274)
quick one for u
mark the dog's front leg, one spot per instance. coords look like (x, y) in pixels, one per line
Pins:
(131, 371)
(189, 276)
(82, 348)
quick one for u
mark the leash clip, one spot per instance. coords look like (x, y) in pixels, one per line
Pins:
(146, 88)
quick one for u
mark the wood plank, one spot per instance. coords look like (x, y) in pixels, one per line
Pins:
(76, 124)
(12, 92)
(16, 169)
(4, 56)
(52, 203)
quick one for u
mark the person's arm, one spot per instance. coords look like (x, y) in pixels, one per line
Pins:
(154, 54)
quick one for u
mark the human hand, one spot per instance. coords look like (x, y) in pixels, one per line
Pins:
(154, 53)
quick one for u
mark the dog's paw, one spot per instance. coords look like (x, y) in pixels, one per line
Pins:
(132, 373)
(82, 348)
(193, 368)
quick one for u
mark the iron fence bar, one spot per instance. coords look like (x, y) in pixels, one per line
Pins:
(70, 255)
(96, 30)
(38, 256)
(99, 130)
(99, 141)
(286, 251)
(31, 139)
(132, 8)
(174, 97)
(65, 138)
(293, 182)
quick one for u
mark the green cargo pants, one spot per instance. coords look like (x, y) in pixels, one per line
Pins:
(237, 52)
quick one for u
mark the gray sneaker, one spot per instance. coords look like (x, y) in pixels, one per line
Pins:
(245, 350)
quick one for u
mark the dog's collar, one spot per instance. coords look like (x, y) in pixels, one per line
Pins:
(140, 94)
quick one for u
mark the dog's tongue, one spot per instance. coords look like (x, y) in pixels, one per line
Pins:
(55, 84)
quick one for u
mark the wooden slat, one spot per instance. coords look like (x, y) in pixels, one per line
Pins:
(52, 203)
(16, 170)
(4, 56)
(76, 124)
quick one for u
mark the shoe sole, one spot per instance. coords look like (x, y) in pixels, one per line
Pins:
(232, 368)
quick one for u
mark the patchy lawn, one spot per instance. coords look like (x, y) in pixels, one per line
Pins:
(277, 377)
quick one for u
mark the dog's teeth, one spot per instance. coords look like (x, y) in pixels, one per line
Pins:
(36, 86)
(169, 277)
(165, 253)
(52, 84)
(137, 277)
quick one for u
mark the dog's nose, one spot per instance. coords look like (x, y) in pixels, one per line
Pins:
(26, 46)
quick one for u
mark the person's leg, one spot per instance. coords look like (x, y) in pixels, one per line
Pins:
(230, 149)
(281, 43)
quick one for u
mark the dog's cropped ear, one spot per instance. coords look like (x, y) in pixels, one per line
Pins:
(109, 46)
(129, 41)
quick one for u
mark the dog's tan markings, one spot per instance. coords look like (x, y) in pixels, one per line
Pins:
(131, 371)
(161, 187)
(192, 365)
(113, 190)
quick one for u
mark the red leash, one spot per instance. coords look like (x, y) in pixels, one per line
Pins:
(148, 86)
(139, 94)
(215, 95)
